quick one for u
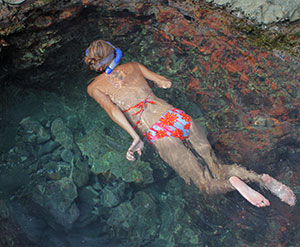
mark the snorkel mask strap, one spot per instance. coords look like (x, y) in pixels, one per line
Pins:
(114, 63)
(104, 61)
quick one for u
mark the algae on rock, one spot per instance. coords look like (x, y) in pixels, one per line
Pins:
(117, 164)
(107, 155)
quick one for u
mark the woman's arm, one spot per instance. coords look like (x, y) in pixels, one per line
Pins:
(119, 118)
(159, 80)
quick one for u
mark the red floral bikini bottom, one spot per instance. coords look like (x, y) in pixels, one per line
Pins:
(175, 123)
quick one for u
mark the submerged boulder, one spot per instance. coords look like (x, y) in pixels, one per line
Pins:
(137, 219)
(34, 131)
(62, 133)
(106, 159)
(80, 174)
(116, 164)
(88, 203)
(112, 195)
(176, 228)
(56, 199)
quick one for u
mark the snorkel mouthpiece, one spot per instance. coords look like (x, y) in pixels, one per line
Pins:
(113, 64)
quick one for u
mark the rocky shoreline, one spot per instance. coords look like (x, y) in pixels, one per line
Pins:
(263, 11)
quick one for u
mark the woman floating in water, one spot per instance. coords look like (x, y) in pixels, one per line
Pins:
(125, 95)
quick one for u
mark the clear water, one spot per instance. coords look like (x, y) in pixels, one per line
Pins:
(206, 88)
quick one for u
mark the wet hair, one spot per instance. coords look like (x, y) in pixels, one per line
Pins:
(97, 51)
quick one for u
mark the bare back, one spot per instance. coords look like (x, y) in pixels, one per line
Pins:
(126, 86)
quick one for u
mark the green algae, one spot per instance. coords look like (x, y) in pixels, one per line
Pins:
(115, 163)
(281, 37)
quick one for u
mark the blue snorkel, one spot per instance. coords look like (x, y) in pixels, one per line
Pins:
(113, 64)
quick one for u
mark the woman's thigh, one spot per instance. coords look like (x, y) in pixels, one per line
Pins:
(203, 148)
(180, 158)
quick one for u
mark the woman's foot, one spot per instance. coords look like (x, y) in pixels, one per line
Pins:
(248, 193)
(279, 189)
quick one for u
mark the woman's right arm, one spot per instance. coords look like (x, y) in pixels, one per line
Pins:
(119, 118)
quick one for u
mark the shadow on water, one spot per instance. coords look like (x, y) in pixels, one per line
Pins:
(244, 96)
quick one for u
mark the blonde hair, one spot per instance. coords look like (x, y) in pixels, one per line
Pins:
(98, 50)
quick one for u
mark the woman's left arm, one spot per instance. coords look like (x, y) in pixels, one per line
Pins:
(159, 80)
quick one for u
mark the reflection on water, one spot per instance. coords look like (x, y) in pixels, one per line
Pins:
(247, 98)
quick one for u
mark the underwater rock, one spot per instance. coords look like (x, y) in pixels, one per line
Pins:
(259, 140)
(264, 11)
(52, 171)
(67, 155)
(89, 195)
(117, 164)
(97, 185)
(62, 133)
(175, 229)
(4, 212)
(24, 150)
(112, 195)
(80, 175)
(35, 131)
(89, 205)
(11, 234)
(59, 169)
(56, 199)
(54, 238)
(56, 154)
(12, 177)
(94, 235)
(136, 220)
(96, 147)
(47, 148)
(30, 223)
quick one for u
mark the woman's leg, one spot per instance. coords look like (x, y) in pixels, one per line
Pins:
(243, 173)
(228, 177)
(184, 162)
(203, 148)
(235, 173)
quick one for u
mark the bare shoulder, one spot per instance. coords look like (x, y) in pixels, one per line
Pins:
(96, 84)
(123, 73)
(91, 88)
(129, 67)
(137, 66)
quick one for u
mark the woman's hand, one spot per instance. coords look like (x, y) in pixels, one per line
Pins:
(163, 82)
(136, 146)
